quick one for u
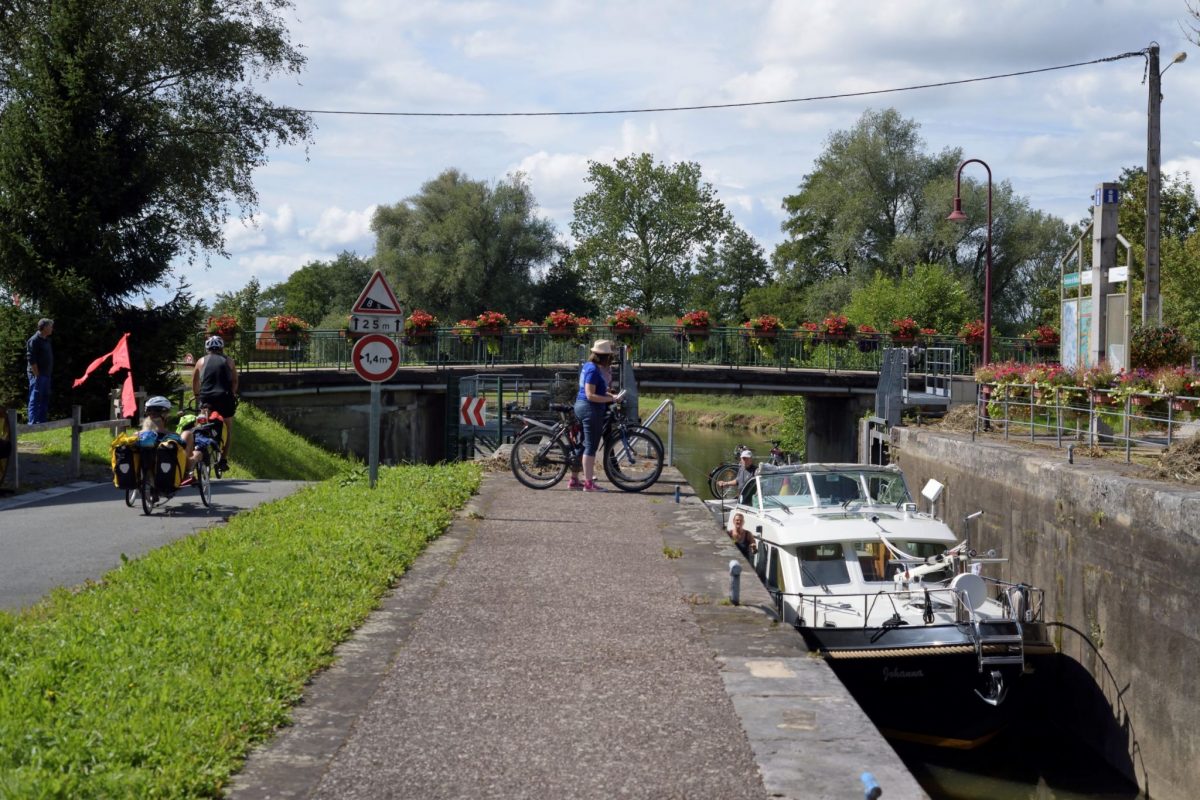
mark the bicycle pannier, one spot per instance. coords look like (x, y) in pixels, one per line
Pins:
(126, 460)
(170, 463)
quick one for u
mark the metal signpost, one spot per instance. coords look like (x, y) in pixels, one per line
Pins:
(375, 356)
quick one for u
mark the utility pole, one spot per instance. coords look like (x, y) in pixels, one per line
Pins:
(1151, 301)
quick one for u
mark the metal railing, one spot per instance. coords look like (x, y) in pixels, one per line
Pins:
(658, 344)
(667, 405)
(1105, 418)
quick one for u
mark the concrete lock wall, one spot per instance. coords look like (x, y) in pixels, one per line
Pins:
(1119, 560)
(412, 427)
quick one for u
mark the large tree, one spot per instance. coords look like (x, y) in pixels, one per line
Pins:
(321, 292)
(640, 228)
(725, 272)
(126, 128)
(463, 246)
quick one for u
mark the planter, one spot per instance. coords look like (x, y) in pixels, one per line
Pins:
(565, 332)
(1141, 400)
(868, 345)
(288, 339)
(765, 335)
(491, 331)
(1183, 404)
(835, 339)
(1102, 398)
(904, 341)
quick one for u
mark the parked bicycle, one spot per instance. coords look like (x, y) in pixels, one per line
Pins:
(543, 453)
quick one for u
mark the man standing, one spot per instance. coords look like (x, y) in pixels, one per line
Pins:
(39, 357)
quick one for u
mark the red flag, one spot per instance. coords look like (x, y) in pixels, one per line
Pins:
(128, 401)
(120, 355)
(120, 359)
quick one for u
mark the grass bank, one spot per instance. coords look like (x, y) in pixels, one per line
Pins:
(757, 413)
(155, 681)
(262, 448)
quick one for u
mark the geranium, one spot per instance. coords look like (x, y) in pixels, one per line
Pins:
(625, 321)
(906, 328)
(986, 374)
(419, 322)
(526, 327)
(694, 319)
(837, 325)
(972, 332)
(867, 329)
(492, 320)
(1133, 385)
(1172, 380)
(288, 328)
(224, 325)
(464, 329)
(929, 331)
(1043, 336)
(763, 325)
(560, 319)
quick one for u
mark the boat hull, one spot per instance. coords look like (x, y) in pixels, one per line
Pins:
(925, 683)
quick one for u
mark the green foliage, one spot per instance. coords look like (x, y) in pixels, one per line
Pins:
(1154, 346)
(640, 227)
(792, 437)
(126, 126)
(320, 289)
(932, 296)
(724, 273)
(777, 298)
(16, 326)
(156, 681)
(1181, 285)
(562, 286)
(462, 246)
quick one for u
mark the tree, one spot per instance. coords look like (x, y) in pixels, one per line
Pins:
(321, 289)
(460, 246)
(126, 127)
(561, 286)
(640, 227)
(865, 196)
(725, 272)
(933, 296)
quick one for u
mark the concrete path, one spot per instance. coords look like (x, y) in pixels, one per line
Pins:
(69, 534)
(547, 646)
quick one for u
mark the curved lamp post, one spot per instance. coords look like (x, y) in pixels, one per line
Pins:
(957, 215)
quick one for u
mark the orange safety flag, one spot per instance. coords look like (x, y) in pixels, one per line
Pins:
(120, 360)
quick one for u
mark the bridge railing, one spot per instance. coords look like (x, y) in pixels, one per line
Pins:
(656, 344)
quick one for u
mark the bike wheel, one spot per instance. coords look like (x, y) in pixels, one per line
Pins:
(725, 472)
(146, 490)
(131, 497)
(633, 460)
(204, 482)
(539, 459)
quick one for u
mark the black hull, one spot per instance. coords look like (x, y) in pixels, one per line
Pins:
(924, 683)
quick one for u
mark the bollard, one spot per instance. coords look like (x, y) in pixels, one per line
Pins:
(1070, 454)
(871, 790)
(735, 582)
(676, 493)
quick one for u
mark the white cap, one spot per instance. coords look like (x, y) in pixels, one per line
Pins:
(747, 454)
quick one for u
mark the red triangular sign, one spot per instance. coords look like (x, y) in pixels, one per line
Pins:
(376, 297)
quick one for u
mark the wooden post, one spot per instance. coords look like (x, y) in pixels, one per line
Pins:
(76, 422)
(13, 461)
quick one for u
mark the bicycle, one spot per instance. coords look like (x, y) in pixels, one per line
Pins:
(542, 453)
(148, 490)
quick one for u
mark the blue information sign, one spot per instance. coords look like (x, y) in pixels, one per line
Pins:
(1106, 197)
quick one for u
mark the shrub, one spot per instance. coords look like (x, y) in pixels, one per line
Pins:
(1154, 346)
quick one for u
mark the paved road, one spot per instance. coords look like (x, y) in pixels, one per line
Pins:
(65, 539)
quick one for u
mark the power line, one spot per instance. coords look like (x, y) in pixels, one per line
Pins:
(712, 106)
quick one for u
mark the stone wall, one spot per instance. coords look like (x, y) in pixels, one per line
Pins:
(1119, 559)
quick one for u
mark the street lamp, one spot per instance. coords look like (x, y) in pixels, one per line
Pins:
(957, 215)
(1151, 300)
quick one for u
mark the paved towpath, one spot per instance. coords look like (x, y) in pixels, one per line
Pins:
(547, 646)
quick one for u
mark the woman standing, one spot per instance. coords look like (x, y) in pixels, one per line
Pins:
(590, 406)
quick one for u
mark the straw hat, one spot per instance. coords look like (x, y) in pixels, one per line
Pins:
(603, 347)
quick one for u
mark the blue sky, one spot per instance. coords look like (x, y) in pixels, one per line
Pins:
(1053, 135)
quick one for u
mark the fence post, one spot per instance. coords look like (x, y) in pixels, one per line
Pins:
(76, 422)
(13, 460)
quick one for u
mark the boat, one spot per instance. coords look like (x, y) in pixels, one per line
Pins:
(934, 650)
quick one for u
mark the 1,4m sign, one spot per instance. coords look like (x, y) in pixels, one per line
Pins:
(375, 357)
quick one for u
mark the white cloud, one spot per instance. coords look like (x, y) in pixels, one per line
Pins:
(338, 228)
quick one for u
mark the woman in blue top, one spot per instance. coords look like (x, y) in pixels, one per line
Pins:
(591, 405)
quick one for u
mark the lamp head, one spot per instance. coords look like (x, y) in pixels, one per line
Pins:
(1179, 58)
(957, 214)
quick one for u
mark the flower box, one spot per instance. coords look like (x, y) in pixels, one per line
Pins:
(1183, 404)
(563, 332)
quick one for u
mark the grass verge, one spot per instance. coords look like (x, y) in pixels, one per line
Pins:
(155, 681)
(262, 448)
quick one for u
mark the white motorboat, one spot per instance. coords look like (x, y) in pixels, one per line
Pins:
(931, 646)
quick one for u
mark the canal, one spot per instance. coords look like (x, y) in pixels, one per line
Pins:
(1034, 760)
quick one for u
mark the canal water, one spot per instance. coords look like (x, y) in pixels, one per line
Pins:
(1031, 761)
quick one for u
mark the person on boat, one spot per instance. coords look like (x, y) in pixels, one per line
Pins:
(746, 470)
(742, 537)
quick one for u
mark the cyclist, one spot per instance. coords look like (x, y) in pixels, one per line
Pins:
(590, 407)
(155, 430)
(745, 473)
(203, 437)
(215, 384)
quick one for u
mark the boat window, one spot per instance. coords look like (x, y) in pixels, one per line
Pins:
(791, 489)
(887, 488)
(835, 488)
(823, 564)
(875, 560)
(774, 578)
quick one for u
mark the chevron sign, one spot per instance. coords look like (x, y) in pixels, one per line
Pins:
(472, 411)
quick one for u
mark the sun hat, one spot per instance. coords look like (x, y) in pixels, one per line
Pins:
(603, 347)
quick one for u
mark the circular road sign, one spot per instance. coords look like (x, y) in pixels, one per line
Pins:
(375, 357)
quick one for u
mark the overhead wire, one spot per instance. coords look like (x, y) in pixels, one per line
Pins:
(713, 106)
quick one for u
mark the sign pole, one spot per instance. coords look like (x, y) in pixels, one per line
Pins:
(373, 434)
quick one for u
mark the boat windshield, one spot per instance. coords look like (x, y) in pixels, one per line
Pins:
(877, 562)
(863, 486)
(823, 564)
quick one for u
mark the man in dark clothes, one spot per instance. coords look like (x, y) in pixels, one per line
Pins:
(214, 383)
(39, 356)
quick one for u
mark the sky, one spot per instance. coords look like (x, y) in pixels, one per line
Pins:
(1053, 135)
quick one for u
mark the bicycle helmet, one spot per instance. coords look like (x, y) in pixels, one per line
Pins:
(158, 402)
(214, 343)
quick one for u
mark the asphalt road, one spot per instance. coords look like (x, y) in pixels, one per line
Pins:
(69, 538)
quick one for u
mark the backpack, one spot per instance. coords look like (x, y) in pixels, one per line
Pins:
(126, 461)
(169, 465)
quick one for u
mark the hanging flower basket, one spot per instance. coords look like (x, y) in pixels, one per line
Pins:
(626, 326)
(868, 339)
(420, 327)
(561, 324)
(225, 326)
(288, 330)
(1183, 404)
